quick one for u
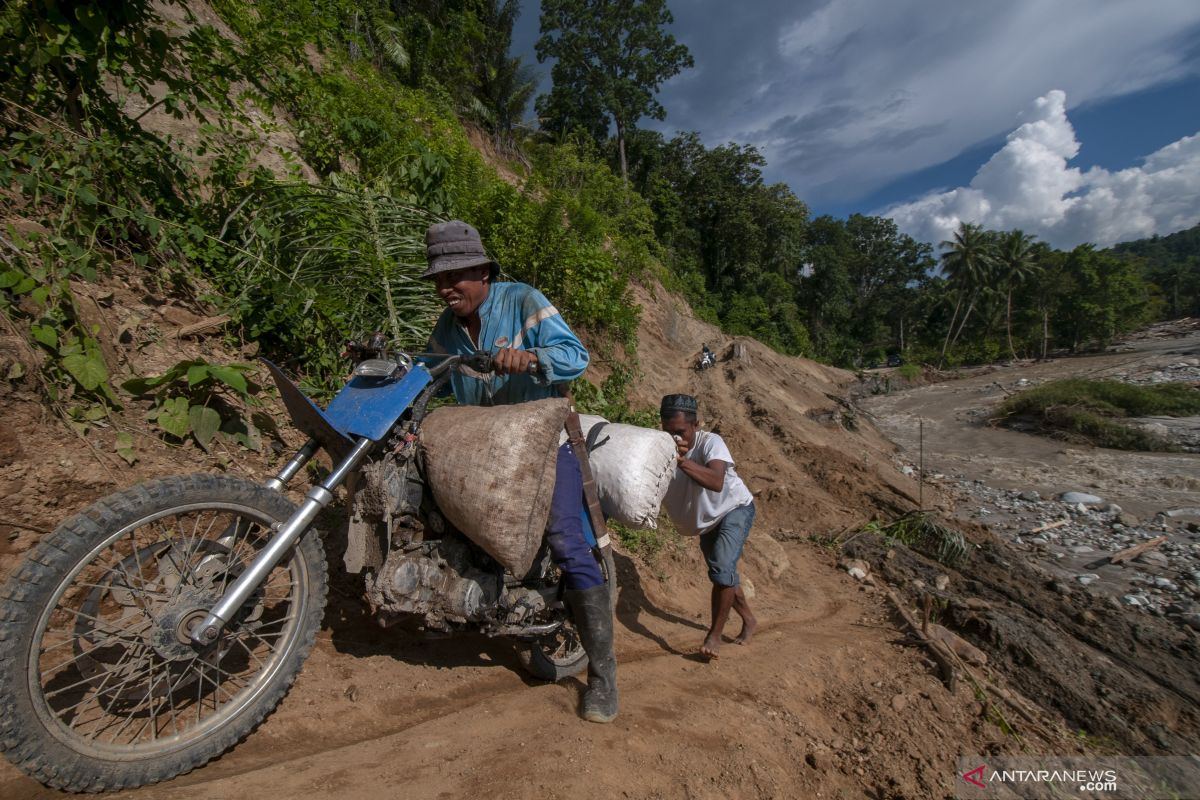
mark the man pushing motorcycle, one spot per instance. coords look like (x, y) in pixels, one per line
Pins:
(535, 353)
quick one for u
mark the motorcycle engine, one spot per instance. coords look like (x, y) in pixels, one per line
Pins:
(436, 580)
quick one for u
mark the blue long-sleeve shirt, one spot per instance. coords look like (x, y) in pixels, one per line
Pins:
(519, 316)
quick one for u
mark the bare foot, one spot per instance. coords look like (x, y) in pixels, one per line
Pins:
(749, 625)
(712, 643)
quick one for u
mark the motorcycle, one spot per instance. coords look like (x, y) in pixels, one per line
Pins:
(156, 629)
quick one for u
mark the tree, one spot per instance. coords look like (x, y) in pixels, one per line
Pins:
(504, 85)
(1106, 296)
(612, 55)
(1016, 257)
(967, 262)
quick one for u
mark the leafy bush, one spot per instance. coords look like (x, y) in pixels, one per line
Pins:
(202, 399)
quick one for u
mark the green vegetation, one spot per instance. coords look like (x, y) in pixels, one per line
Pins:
(1172, 265)
(284, 175)
(648, 544)
(919, 531)
(1090, 411)
(613, 56)
(202, 399)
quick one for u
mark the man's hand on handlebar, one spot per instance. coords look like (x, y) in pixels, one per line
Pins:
(514, 362)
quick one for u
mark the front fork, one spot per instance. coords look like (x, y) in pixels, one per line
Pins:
(289, 533)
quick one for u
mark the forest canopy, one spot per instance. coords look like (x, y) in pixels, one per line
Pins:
(281, 160)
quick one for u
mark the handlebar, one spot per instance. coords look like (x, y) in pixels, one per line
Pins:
(480, 361)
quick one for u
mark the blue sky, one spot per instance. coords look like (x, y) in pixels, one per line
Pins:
(1048, 115)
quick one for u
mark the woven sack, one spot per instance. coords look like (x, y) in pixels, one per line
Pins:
(633, 467)
(492, 472)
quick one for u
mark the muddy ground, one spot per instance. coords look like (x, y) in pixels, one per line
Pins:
(830, 700)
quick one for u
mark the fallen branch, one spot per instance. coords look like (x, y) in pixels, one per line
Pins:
(23, 526)
(203, 326)
(1135, 551)
(1050, 526)
(941, 654)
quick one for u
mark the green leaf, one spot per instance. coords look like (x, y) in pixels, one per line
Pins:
(45, 334)
(125, 447)
(197, 373)
(16, 371)
(10, 278)
(89, 370)
(85, 194)
(230, 376)
(205, 422)
(173, 417)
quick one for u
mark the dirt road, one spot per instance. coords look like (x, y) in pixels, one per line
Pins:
(823, 703)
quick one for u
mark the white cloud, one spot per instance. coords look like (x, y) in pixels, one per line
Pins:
(1029, 184)
(844, 96)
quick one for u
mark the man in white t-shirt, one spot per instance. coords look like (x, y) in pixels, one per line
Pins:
(706, 498)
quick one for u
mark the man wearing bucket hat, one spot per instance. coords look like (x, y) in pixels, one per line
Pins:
(534, 353)
(706, 498)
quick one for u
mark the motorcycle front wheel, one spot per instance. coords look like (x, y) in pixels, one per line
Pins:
(100, 686)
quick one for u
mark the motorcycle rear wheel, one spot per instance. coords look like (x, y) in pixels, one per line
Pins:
(561, 654)
(100, 688)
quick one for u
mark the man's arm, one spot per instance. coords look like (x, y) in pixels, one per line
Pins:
(711, 475)
(561, 357)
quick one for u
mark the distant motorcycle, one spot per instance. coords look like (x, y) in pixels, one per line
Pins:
(707, 359)
(156, 629)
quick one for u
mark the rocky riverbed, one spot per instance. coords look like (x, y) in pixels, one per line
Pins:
(1073, 537)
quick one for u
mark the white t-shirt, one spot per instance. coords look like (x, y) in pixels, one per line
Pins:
(695, 509)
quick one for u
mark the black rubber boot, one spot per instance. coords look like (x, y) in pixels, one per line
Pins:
(594, 620)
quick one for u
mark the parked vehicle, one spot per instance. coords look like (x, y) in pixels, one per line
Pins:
(154, 630)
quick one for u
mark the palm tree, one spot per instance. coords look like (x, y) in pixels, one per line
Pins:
(361, 245)
(1016, 257)
(967, 262)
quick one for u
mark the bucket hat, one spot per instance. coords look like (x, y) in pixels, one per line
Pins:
(455, 245)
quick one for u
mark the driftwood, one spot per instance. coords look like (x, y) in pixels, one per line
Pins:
(951, 662)
(1135, 551)
(1050, 526)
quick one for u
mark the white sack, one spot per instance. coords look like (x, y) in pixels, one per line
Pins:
(632, 470)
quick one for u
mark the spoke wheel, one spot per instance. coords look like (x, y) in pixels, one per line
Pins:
(561, 654)
(100, 685)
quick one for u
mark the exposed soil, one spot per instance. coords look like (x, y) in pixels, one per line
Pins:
(828, 701)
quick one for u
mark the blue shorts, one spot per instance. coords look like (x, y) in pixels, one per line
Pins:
(722, 545)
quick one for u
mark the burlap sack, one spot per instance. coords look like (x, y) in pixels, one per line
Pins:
(492, 473)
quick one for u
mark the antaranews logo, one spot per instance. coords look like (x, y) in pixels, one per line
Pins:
(975, 776)
(1093, 777)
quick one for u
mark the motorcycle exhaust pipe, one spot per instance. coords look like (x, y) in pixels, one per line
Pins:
(318, 497)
